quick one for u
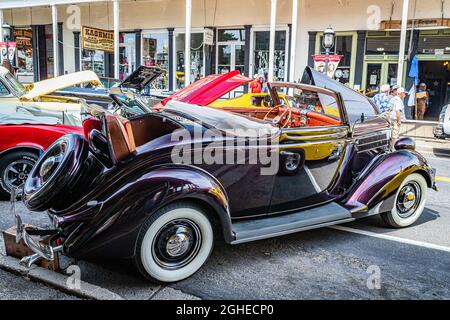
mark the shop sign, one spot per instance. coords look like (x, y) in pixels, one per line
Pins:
(97, 39)
(208, 38)
(418, 24)
(333, 63)
(11, 52)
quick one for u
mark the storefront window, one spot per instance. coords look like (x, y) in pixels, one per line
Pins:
(231, 50)
(261, 54)
(127, 51)
(93, 60)
(225, 35)
(23, 38)
(437, 45)
(343, 46)
(156, 53)
(197, 66)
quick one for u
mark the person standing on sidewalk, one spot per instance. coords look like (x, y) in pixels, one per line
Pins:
(422, 101)
(397, 114)
(382, 98)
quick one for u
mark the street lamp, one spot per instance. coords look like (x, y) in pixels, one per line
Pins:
(328, 43)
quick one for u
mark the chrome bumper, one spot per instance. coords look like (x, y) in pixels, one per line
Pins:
(41, 251)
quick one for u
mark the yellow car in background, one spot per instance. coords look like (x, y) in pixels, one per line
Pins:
(39, 98)
(261, 103)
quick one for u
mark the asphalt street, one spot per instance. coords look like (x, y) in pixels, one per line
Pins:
(412, 263)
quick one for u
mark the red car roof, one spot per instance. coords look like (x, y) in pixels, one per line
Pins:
(209, 89)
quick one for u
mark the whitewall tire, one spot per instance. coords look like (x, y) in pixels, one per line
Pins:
(174, 243)
(409, 204)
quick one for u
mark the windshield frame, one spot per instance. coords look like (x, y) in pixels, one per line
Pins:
(16, 87)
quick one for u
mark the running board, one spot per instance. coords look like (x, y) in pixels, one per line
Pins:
(274, 226)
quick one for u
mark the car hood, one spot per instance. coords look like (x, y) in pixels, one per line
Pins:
(142, 77)
(49, 86)
(209, 89)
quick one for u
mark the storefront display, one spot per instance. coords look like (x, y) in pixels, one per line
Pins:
(156, 53)
(261, 54)
(93, 60)
(23, 38)
(197, 58)
(127, 51)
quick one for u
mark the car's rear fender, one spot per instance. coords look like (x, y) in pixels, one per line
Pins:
(110, 226)
(377, 185)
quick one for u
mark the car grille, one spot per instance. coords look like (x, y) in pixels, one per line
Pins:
(373, 142)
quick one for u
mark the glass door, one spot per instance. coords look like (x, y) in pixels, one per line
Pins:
(392, 74)
(373, 79)
(224, 63)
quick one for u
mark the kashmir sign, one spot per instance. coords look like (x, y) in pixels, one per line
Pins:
(97, 39)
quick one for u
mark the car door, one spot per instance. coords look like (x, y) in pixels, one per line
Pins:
(321, 144)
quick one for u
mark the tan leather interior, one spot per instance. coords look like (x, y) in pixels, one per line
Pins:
(150, 127)
(121, 136)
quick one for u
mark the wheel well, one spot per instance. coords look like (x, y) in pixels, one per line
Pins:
(34, 150)
(426, 177)
(211, 214)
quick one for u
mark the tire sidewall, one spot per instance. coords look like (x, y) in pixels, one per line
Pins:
(406, 222)
(157, 273)
(8, 159)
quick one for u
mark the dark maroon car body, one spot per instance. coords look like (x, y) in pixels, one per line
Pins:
(108, 198)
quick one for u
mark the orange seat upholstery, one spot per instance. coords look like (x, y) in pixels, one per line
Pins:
(120, 135)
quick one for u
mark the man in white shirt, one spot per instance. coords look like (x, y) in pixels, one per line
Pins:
(397, 114)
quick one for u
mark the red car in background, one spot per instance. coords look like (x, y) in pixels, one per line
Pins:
(23, 137)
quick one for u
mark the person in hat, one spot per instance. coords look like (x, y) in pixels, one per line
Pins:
(382, 98)
(421, 101)
(397, 114)
(256, 85)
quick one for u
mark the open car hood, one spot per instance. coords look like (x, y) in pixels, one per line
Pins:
(142, 77)
(49, 86)
(209, 89)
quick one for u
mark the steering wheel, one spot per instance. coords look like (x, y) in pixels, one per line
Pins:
(282, 120)
(55, 173)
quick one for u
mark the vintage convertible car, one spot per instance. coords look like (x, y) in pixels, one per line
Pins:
(24, 137)
(38, 99)
(146, 188)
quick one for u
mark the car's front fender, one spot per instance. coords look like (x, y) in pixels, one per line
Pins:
(378, 183)
(111, 227)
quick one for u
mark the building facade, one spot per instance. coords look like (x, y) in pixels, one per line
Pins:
(250, 36)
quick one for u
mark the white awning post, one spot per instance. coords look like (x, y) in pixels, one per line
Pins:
(55, 40)
(273, 24)
(401, 60)
(1, 26)
(187, 49)
(116, 38)
(294, 39)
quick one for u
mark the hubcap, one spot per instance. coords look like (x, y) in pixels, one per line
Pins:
(16, 173)
(409, 199)
(176, 244)
(292, 162)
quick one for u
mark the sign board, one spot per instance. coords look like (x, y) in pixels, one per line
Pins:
(97, 39)
(208, 37)
(333, 63)
(10, 53)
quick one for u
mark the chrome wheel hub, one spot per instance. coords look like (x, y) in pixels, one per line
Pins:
(409, 199)
(176, 244)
